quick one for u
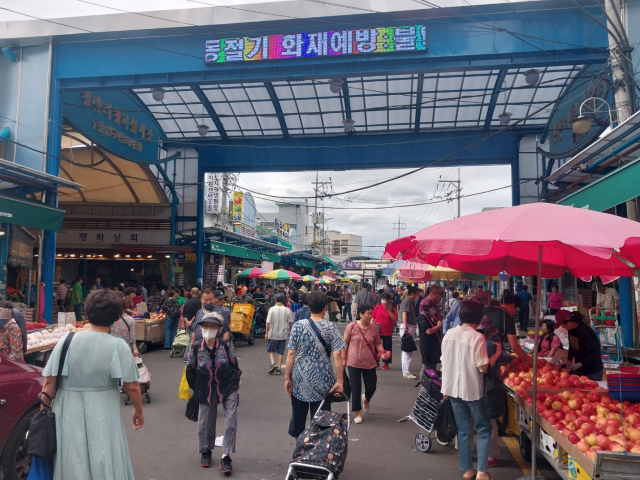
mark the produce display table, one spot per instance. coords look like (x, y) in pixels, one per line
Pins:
(565, 458)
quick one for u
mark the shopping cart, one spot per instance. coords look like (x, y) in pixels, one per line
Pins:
(426, 409)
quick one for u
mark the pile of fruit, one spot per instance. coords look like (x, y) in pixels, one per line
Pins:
(48, 338)
(36, 325)
(588, 418)
(157, 316)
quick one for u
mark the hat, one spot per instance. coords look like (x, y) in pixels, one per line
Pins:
(219, 294)
(430, 302)
(483, 296)
(561, 317)
(486, 326)
(211, 317)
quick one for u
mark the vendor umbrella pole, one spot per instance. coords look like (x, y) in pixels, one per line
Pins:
(534, 391)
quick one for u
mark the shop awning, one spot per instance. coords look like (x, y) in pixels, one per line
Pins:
(29, 213)
(333, 264)
(619, 186)
(241, 252)
(12, 174)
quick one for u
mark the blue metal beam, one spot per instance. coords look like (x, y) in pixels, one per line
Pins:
(210, 110)
(344, 152)
(497, 87)
(277, 108)
(418, 116)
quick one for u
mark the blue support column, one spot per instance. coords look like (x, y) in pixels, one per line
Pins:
(626, 310)
(200, 229)
(4, 258)
(48, 254)
(515, 180)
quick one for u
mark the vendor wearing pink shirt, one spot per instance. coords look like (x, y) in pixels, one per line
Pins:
(555, 300)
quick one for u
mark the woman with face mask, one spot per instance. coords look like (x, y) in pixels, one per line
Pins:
(431, 328)
(214, 376)
(386, 315)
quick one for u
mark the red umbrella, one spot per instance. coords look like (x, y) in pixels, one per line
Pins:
(535, 239)
(582, 241)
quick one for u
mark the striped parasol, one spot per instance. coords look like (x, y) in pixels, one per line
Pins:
(281, 274)
(309, 278)
(252, 272)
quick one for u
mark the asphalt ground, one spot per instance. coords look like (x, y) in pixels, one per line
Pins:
(379, 448)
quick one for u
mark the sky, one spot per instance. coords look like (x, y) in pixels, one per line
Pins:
(376, 225)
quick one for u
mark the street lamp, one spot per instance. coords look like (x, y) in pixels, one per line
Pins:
(532, 77)
(348, 125)
(582, 123)
(505, 118)
(335, 85)
(203, 130)
(158, 94)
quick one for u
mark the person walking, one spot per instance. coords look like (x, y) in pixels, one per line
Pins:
(303, 312)
(93, 444)
(309, 376)
(172, 309)
(464, 361)
(279, 323)
(213, 374)
(386, 315)
(364, 348)
(76, 298)
(333, 296)
(363, 297)
(125, 328)
(62, 295)
(189, 312)
(408, 327)
(523, 311)
(348, 300)
(430, 335)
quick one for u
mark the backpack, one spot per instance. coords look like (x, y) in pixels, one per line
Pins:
(172, 308)
(493, 395)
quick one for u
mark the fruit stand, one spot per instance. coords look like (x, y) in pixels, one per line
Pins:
(583, 432)
(42, 337)
(149, 330)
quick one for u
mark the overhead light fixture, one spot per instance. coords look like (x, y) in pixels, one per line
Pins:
(58, 254)
(348, 125)
(132, 269)
(100, 256)
(505, 118)
(335, 85)
(66, 255)
(158, 94)
(117, 255)
(2, 232)
(581, 124)
(203, 130)
(72, 255)
(149, 256)
(167, 256)
(35, 254)
(532, 76)
(138, 256)
(81, 255)
(128, 256)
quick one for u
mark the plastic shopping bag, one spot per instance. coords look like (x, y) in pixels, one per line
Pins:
(184, 393)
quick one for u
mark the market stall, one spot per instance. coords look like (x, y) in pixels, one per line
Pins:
(42, 337)
(533, 240)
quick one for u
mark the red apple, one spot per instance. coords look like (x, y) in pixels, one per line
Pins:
(566, 394)
(588, 409)
(587, 429)
(610, 430)
(575, 403)
(616, 447)
(560, 426)
(582, 446)
(591, 455)
(557, 405)
(573, 438)
(603, 442)
(634, 434)
(606, 401)
(593, 396)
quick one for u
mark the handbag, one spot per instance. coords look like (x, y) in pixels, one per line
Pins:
(41, 441)
(192, 409)
(346, 383)
(493, 395)
(407, 343)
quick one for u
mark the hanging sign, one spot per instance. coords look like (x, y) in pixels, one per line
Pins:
(319, 44)
(282, 228)
(212, 193)
(238, 200)
(116, 121)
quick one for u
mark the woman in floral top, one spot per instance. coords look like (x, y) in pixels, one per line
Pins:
(11, 340)
(549, 341)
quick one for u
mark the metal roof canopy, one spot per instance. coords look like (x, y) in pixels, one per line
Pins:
(13, 174)
(614, 148)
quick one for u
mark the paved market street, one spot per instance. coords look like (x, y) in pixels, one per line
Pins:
(379, 448)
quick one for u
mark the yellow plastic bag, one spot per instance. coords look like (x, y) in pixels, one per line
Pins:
(184, 393)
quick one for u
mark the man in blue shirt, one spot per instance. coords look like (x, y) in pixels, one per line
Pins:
(523, 312)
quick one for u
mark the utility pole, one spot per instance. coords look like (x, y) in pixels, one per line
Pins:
(458, 185)
(401, 226)
(316, 189)
(622, 73)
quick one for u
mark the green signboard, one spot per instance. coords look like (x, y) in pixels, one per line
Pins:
(285, 244)
(241, 252)
(29, 213)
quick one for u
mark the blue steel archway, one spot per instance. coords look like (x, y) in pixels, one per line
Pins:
(461, 44)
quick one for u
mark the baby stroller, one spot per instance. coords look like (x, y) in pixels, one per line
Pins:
(321, 449)
(180, 342)
(426, 410)
(144, 380)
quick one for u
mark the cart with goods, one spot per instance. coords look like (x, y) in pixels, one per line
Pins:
(606, 326)
(426, 409)
(241, 324)
(144, 381)
(180, 343)
(150, 331)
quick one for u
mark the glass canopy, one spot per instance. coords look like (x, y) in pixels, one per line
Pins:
(376, 104)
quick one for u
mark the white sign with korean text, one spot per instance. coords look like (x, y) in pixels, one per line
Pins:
(212, 193)
(97, 237)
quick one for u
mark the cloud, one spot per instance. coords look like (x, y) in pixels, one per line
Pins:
(376, 226)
